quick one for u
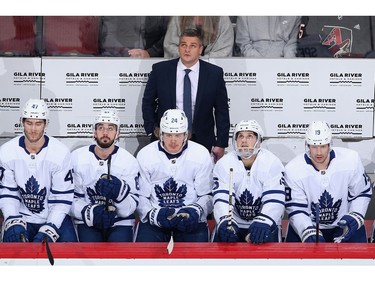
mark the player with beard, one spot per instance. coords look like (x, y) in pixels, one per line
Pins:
(106, 185)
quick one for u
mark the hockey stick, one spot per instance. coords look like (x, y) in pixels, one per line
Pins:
(170, 244)
(109, 178)
(230, 211)
(317, 211)
(48, 250)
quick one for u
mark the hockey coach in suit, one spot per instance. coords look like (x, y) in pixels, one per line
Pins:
(209, 99)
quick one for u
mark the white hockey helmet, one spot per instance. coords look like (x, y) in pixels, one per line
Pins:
(173, 121)
(247, 125)
(318, 133)
(107, 115)
(35, 109)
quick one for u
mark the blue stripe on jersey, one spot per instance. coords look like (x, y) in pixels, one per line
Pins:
(361, 195)
(62, 192)
(368, 190)
(274, 201)
(10, 188)
(273, 191)
(60, 202)
(10, 196)
(296, 205)
(296, 213)
(221, 191)
(221, 200)
(79, 195)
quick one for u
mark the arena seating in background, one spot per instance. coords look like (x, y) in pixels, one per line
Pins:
(17, 35)
(74, 35)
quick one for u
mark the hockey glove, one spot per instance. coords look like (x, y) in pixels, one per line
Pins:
(309, 235)
(163, 217)
(188, 219)
(48, 231)
(349, 223)
(113, 188)
(15, 230)
(97, 216)
(260, 229)
(227, 233)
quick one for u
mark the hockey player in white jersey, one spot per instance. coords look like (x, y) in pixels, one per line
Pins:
(175, 185)
(327, 192)
(36, 182)
(249, 194)
(106, 185)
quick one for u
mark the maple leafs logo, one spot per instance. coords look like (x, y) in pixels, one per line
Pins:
(328, 210)
(32, 197)
(95, 196)
(170, 195)
(246, 207)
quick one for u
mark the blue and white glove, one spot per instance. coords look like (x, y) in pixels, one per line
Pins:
(163, 217)
(349, 223)
(188, 219)
(113, 188)
(47, 231)
(96, 215)
(260, 229)
(15, 230)
(225, 233)
(309, 235)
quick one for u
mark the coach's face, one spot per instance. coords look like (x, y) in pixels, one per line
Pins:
(190, 50)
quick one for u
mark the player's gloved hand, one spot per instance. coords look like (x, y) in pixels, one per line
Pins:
(225, 233)
(163, 217)
(349, 223)
(47, 231)
(260, 229)
(15, 230)
(188, 219)
(309, 235)
(113, 188)
(96, 215)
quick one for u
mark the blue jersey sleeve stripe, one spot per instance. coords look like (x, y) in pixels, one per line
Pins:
(274, 191)
(296, 213)
(221, 191)
(222, 201)
(60, 202)
(296, 205)
(62, 192)
(11, 197)
(274, 201)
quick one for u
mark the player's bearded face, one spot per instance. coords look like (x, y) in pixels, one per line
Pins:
(34, 129)
(105, 136)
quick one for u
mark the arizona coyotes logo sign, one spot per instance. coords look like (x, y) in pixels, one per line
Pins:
(338, 39)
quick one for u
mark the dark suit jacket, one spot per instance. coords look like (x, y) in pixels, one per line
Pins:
(211, 105)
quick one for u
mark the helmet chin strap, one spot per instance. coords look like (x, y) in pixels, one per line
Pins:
(247, 152)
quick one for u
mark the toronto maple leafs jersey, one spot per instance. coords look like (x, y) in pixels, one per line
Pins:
(37, 186)
(175, 182)
(344, 187)
(88, 168)
(256, 190)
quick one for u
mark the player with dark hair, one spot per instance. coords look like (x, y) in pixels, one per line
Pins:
(106, 185)
(36, 182)
(331, 179)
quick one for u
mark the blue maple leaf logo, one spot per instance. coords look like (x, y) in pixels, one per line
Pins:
(247, 207)
(95, 196)
(170, 195)
(32, 197)
(328, 209)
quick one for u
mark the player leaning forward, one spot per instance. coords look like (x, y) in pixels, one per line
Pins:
(106, 183)
(253, 176)
(175, 185)
(36, 182)
(328, 191)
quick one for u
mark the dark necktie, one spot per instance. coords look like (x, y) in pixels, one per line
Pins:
(187, 99)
